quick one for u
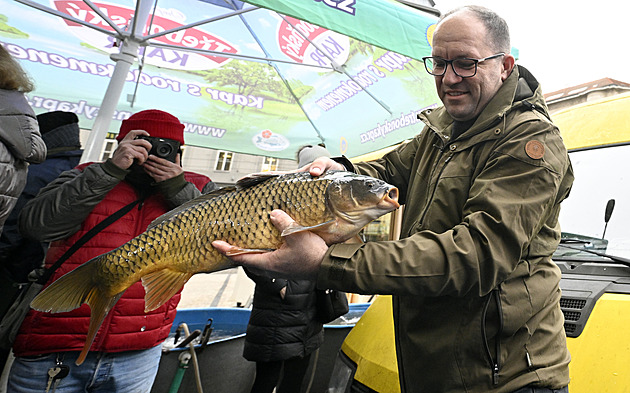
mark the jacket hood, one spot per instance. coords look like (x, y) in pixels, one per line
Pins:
(62, 138)
(528, 91)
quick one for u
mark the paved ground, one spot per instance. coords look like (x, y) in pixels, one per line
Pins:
(227, 288)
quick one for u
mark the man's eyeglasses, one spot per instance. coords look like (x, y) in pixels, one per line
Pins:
(463, 67)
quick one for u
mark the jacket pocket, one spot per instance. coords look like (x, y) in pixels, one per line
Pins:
(516, 302)
(493, 352)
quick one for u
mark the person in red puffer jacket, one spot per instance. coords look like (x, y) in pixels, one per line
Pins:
(125, 354)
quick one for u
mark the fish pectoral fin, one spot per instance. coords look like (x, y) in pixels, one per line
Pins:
(162, 285)
(295, 228)
(241, 251)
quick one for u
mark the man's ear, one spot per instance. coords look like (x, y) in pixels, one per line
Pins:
(508, 66)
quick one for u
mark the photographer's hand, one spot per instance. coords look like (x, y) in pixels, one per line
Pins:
(131, 149)
(160, 169)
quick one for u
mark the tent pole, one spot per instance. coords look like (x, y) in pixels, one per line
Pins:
(124, 59)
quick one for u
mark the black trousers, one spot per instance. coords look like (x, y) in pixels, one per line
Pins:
(287, 375)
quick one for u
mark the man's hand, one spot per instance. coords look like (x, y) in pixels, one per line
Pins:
(160, 169)
(321, 165)
(300, 256)
(131, 149)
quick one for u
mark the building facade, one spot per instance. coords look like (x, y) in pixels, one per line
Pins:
(223, 167)
(590, 91)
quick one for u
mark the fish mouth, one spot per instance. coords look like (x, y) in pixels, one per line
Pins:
(390, 200)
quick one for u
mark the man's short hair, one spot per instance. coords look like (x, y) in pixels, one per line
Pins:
(498, 31)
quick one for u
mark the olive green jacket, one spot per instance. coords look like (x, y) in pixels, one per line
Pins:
(476, 294)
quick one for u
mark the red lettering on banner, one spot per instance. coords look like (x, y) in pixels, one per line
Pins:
(292, 41)
(188, 38)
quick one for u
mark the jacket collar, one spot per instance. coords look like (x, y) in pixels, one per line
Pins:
(519, 89)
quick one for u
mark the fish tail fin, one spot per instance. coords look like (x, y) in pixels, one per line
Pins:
(72, 290)
(69, 291)
(99, 306)
(162, 285)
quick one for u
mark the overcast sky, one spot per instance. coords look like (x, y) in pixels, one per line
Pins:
(565, 43)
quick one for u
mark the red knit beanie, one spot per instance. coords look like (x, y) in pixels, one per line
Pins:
(157, 123)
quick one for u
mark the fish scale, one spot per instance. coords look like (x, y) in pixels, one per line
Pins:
(177, 245)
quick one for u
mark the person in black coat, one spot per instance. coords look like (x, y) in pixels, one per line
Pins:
(282, 332)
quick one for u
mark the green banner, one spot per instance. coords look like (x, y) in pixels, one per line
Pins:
(387, 24)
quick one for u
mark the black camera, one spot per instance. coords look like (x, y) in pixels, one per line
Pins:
(163, 148)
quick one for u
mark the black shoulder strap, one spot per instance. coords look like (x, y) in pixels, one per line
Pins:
(85, 238)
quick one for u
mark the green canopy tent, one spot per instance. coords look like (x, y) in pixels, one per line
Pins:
(241, 77)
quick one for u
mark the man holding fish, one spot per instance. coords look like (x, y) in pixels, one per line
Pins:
(126, 351)
(475, 292)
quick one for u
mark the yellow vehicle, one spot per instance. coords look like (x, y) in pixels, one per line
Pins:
(594, 257)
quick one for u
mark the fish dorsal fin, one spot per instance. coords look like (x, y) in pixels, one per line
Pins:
(295, 227)
(255, 178)
(186, 205)
(162, 285)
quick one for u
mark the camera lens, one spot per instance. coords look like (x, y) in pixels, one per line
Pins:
(164, 150)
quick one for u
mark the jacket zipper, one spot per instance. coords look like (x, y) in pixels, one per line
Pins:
(426, 209)
(442, 148)
(495, 361)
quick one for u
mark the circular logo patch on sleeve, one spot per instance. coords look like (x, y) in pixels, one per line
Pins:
(535, 149)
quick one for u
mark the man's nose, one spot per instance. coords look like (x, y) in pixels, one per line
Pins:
(450, 76)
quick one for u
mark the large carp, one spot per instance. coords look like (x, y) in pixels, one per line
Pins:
(177, 245)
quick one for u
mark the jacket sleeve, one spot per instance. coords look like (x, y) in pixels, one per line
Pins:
(510, 201)
(20, 134)
(178, 191)
(59, 208)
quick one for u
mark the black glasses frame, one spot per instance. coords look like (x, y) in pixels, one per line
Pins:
(475, 61)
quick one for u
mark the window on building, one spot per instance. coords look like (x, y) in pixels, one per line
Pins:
(269, 164)
(224, 161)
(109, 146)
